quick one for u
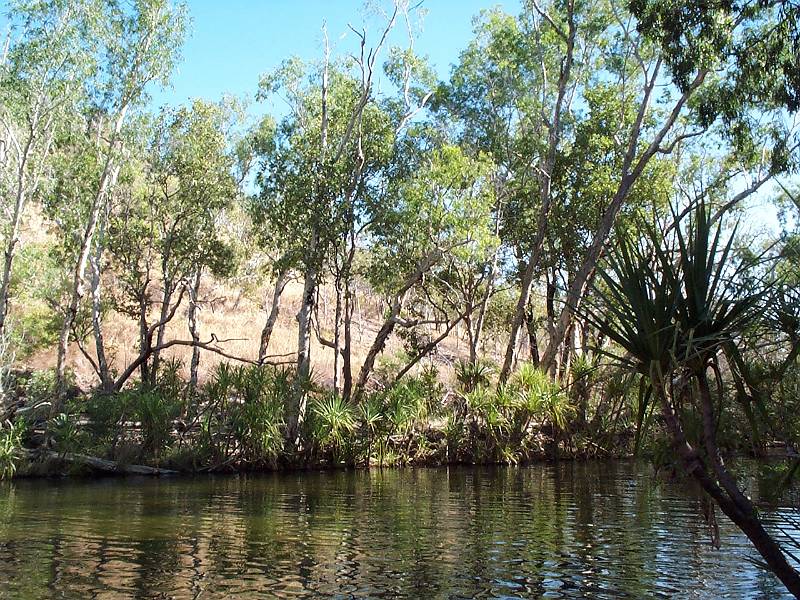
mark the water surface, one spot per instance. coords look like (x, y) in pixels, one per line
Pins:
(600, 530)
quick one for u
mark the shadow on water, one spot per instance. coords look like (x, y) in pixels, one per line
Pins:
(602, 530)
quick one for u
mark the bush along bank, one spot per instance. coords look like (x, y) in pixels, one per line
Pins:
(236, 421)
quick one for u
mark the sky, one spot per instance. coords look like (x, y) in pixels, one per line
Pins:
(232, 42)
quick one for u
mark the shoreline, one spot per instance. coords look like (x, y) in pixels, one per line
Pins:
(79, 467)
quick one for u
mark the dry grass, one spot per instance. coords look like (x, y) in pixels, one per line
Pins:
(231, 316)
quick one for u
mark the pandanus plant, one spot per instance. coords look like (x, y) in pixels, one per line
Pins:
(669, 302)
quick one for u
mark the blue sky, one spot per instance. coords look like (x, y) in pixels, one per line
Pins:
(232, 42)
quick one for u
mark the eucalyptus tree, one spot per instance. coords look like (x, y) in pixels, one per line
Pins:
(137, 43)
(438, 217)
(292, 210)
(77, 164)
(549, 95)
(309, 178)
(328, 159)
(514, 90)
(46, 60)
(728, 63)
(166, 236)
(584, 179)
(260, 144)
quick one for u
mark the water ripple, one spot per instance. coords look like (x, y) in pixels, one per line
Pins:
(569, 531)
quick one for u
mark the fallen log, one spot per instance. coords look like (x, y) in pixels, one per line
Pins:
(107, 466)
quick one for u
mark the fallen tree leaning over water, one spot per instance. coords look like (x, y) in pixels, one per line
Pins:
(672, 302)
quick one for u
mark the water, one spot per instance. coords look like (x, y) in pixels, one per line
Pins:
(600, 530)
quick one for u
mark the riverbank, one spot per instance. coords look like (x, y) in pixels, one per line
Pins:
(426, 449)
(240, 421)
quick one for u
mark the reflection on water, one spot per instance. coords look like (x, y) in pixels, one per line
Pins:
(601, 530)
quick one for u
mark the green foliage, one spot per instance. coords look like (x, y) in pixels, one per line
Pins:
(107, 415)
(413, 399)
(39, 394)
(156, 412)
(305, 190)
(536, 393)
(170, 223)
(391, 420)
(501, 417)
(65, 432)
(169, 382)
(671, 308)
(243, 416)
(332, 422)
(756, 44)
(472, 375)
(389, 366)
(582, 367)
(34, 282)
(10, 447)
(111, 415)
(40, 387)
(661, 311)
(444, 205)
(432, 211)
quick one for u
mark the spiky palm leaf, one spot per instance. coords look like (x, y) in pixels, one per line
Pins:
(669, 303)
(636, 301)
(710, 310)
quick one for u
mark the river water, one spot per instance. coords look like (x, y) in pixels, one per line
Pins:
(572, 530)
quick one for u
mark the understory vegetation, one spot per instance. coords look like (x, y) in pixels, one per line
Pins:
(547, 251)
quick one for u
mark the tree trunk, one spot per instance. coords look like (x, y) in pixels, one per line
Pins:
(304, 323)
(347, 366)
(581, 386)
(11, 245)
(388, 325)
(106, 381)
(480, 320)
(26, 184)
(161, 330)
(78, 287)
(630, 173)
(533, 343)
(472, 339)
(545, 170)
(377, 347)
(274, 311)
(430, 346)
(295, 409)
(145, 340)
(729, 498)
(194, 291)
(563, 373)
(337, 318)
(108, 179)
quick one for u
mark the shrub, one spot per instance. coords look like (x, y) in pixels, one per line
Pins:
(539, 396)
(501, 417)
(156, 412)
(65, 432)
(333, 422)
(10, 448)
(107, 415)
(242, 417)
(40, 390)
(472, 375)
